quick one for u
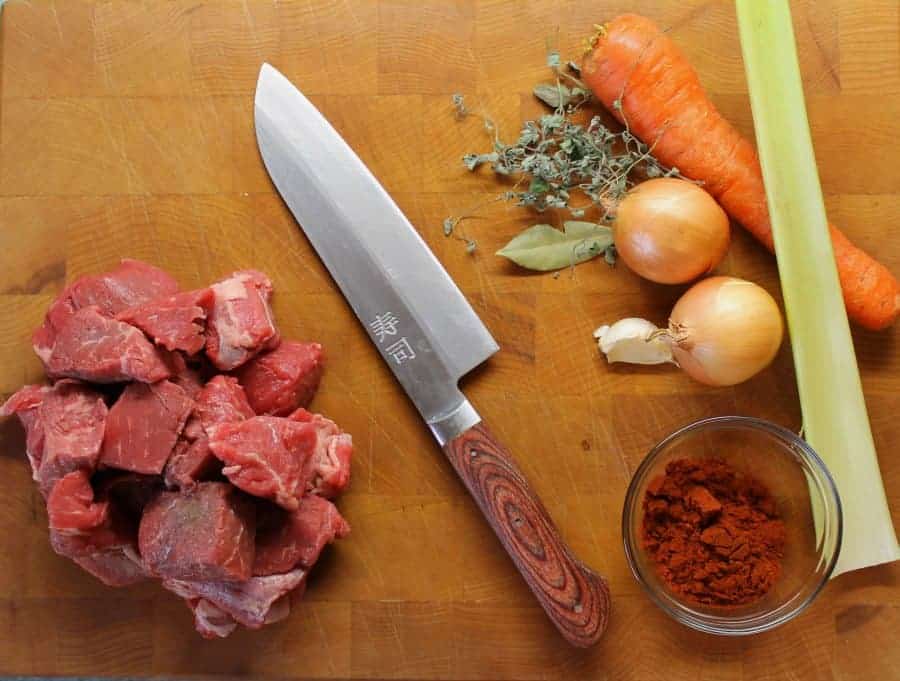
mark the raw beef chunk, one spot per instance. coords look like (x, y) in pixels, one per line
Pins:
(176, 322)
(265, 456)
(114, 565)
(107, 551)
(253, 603)
(44, 337)
(193, 429)
(190, 463)
(189, 381)
(206, 533)
(291, 539)
(24, 403)
(114, 533)
(184, 375)
(71, 506)
(240, 323)
(131, 283)
(143, 426)
(64, 428)
(279, 381)
(281, 607)
(73, 417)
(222, 400)
(207, 408)
(327, 472)
(95, 348)
(209, 619)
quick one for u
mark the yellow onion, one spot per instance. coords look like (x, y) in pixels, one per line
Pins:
(724, 330)
(670, 231)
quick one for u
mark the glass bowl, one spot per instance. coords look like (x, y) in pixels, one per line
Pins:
(806, 499)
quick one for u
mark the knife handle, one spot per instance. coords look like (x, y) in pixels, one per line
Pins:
(574, 597)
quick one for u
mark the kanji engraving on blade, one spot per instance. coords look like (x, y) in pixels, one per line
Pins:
(384, 325)
(400, 351)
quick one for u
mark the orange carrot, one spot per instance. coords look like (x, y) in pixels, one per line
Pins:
(642, 77)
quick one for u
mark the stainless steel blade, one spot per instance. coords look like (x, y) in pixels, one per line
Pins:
(414, 313)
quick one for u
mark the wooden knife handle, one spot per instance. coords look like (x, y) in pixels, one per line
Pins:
(575, 598)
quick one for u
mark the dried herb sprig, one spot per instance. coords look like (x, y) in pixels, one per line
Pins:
(558, 163)
(559, 95)
(559, 160)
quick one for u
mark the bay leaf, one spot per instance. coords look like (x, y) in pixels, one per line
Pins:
(544, 248)
(553, 95)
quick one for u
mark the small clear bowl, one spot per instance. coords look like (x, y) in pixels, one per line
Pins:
(807, 501)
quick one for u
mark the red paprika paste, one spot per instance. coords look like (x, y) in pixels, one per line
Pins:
(713, 533)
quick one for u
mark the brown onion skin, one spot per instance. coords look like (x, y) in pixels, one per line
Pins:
(724, 344)
(671, 231)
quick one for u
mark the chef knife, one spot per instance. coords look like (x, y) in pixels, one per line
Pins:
(426, 332)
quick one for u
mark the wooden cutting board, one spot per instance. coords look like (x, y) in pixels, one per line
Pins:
(126, 130)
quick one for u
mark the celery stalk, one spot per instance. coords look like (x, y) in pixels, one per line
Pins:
(834, 412)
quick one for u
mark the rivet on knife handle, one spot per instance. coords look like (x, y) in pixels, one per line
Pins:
(575, 598)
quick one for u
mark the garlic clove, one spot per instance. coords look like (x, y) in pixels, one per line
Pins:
(630, 340)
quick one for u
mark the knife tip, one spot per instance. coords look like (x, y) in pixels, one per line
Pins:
(265, 71)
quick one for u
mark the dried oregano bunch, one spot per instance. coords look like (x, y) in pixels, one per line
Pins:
(557, 163)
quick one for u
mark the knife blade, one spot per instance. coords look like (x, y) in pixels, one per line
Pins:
(424, 329)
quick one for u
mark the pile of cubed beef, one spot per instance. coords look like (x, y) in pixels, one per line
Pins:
(174, 442)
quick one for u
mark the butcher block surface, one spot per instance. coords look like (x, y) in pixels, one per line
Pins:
(126, 130)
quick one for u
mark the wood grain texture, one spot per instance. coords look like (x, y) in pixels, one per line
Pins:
(126, 130)
(575, 598)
